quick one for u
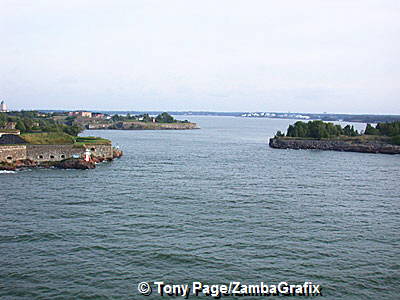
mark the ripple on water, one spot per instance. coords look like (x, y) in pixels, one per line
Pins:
(213, 205)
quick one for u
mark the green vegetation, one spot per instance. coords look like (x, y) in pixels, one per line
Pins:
(57, 138)
(385, 129)
(33, 121)
(92, 140)
(165, 118)
(48, 138)
(396, 140)
(161, 118)
(383, 132)
(318, 130)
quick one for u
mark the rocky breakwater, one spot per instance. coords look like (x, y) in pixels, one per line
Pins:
(81, 164)
(73, 163)
(24, 163)
(351, 145)
(116, 153)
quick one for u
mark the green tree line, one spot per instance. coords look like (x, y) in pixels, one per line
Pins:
(391, 130)
(386, 129)
(318, 129)
(161, 118)
(31, 121)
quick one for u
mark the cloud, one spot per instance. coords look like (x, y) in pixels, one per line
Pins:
(217, 55)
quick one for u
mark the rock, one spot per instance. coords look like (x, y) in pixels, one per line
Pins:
(26, 163)
(73, 163)
(97, 159)
(7, 167)
(117, 153)
(334, 145)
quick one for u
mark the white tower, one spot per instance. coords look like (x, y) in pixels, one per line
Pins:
(87, 155)
(3, 107)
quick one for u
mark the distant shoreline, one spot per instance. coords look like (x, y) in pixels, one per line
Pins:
(357, 118)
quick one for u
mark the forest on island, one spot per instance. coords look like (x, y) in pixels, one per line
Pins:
(161, 118)
(317, 130)
(324, 130)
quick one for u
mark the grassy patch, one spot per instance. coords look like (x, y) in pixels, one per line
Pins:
(92, 140)
(395, 140)
(48, 138)
(60, 138)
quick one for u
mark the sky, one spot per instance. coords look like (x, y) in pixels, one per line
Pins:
(337, 56)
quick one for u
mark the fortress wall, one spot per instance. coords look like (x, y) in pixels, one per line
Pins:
(10, 153)
(101, 150)
(42, 153)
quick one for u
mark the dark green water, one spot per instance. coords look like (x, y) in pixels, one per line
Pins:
(211, 205)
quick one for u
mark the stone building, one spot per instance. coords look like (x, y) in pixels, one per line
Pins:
(10, 125)
(83, 114)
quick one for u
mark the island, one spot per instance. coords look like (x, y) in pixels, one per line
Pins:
(95, 121)
(32, 139)
(382, 138)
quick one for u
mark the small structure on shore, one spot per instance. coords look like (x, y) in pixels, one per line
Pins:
(87, 155)
(3, 107)
(9, 132)
(83, 114)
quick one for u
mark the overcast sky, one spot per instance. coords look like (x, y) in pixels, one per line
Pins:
(216, 55)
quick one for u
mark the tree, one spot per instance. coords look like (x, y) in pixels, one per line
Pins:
(115, 118)
(349, 130)
(147, 118)
(389, 129)
(290, 131)
(318, 129)
(20, 126)
(165, 118)
(73, 130)
(371, 130)
(3, 119)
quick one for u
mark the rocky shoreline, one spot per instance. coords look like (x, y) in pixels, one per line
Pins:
(335, 145)
(70, 163)
(137, 125)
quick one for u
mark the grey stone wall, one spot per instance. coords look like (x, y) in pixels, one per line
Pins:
(101, 150)
(12, 153)
(42, 153)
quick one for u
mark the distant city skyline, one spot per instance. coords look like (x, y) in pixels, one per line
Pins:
(307, 56)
